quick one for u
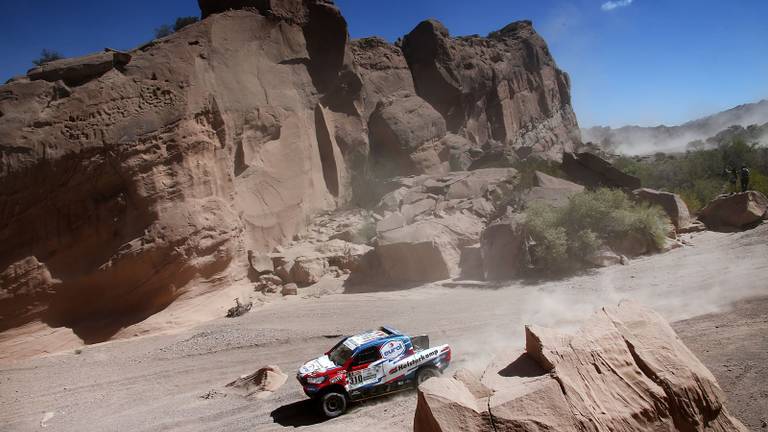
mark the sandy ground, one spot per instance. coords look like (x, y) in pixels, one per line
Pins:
(716, 292)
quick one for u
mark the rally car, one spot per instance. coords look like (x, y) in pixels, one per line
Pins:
(370, 364)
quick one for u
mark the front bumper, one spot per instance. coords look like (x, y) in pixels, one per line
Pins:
(310, 390)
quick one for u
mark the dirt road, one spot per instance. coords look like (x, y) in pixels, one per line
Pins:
(176, 381)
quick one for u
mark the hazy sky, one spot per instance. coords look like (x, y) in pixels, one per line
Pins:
(631, 61)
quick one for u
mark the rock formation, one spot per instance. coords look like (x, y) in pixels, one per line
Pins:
(593, 171)
(133, 185)
(624, 370)
(260, 384)
(736, 211)
(430, 222)
(505, 87)
(551, 190)
(673, 205)
(133, 179)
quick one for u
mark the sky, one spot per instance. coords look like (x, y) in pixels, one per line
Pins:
(643, 62)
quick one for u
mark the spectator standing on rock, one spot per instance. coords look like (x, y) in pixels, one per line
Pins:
(744, 174)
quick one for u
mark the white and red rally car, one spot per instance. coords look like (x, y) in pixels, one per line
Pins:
(370, 364)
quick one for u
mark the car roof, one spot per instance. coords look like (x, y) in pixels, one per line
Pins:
(371, 337)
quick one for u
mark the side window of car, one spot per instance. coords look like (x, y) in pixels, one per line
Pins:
(368, 355)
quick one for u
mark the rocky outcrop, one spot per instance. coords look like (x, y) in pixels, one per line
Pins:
(673, 205)
(137, 179)
(503, 249)
(430, 226)
(405, 133)
(735, 211)
(382, 69)
(143, 182)
(428, 250)
(260, 384)
(593, 171)
(624, 370)
(505, 87)
(551, 191)
(76, 71)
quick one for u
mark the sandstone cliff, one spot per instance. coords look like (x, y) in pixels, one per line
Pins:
(132, 179)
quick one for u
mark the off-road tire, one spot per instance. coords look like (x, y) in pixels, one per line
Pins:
(333, 404)
(426, 373)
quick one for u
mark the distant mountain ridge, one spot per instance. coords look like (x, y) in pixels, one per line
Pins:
(642, 140)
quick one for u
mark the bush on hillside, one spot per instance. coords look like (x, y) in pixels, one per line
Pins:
(182, 22)
(563, 237)
(163, 31)
(47, 56)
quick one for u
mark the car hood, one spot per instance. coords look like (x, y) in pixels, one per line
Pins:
(319, 365)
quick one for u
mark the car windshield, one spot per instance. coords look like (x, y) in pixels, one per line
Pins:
(340, 353)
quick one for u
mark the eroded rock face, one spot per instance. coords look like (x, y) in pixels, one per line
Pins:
(75, 71)
(151, 175)
(148, 179)
(624, 370)
(505, 87)
(503, 249)
(405, 134)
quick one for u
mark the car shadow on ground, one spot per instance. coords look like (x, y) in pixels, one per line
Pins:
(307, 413)
(298, 414)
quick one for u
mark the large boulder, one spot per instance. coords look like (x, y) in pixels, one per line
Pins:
(549, 190)
(428, 250)
(382, 69)
(734, 211)
(405, 132)
(624, 370)
(592, 171)
(505, 87)
(495, 183)
(503, 249)
(305, 262)
(673, 205)
(260, 384)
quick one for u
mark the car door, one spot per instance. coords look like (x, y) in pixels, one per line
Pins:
(366, 368)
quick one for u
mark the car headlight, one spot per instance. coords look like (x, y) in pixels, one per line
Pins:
(316, 380)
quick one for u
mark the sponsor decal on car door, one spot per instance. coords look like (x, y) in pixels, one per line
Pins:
(365, 376)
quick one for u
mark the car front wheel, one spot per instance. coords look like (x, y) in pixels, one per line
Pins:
(333, 404)
(426, 373)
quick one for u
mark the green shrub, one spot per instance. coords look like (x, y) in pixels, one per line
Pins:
(163, 31)
(182, 22)
(563, 237)
(758, 182)
(544, 226)
(47, 56)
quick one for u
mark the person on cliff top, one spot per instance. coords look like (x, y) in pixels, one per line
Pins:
(744, 174)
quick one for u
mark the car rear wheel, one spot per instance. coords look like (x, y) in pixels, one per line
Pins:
(426, 373)
(333, 404)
